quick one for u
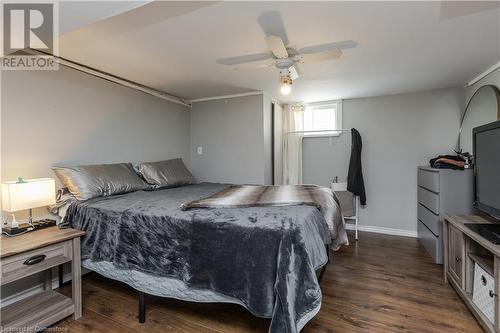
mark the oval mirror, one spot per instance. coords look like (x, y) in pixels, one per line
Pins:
(483, 108)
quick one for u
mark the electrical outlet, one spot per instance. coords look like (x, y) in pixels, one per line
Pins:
(200, 150)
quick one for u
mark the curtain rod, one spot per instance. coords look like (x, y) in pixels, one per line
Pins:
(113, 78)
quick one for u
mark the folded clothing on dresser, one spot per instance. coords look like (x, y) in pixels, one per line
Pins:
(448, 162)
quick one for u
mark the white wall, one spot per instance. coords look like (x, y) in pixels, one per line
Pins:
(66, 117)
(399, 133)
(231, 132)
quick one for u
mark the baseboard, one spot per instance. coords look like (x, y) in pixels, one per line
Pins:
(383, 230)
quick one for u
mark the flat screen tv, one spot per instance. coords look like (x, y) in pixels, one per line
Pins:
(486, 143)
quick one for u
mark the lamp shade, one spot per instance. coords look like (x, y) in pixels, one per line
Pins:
(30, 193)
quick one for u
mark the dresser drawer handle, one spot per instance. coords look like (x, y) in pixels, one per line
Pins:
(35, 259)
(458, 259)
(483, 280)
(492, 294)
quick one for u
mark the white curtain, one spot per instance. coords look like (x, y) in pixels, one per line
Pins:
(293, 120)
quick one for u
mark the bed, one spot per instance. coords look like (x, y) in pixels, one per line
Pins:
(262, 258)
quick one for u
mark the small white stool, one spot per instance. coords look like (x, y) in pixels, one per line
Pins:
(342, 187)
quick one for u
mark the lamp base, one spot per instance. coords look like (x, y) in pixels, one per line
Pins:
(24, 227)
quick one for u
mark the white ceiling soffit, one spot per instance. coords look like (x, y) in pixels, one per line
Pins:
(145, 15)
(452, 9)
(74, 15)
(77, 14)
(400, 46)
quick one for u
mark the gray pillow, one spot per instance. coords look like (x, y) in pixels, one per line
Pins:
(89, 181)
(171, 173)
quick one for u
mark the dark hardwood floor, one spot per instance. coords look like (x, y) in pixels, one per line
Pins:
(380, 284)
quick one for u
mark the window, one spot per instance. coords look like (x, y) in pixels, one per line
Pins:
(322, 119)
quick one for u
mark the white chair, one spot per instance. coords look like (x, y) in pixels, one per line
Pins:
(342, 187)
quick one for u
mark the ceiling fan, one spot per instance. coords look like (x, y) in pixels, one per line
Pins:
(282, 55)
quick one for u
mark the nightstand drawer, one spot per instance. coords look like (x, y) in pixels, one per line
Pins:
(31, 262)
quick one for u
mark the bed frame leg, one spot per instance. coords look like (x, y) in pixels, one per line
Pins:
(142, 308)
(323, 270)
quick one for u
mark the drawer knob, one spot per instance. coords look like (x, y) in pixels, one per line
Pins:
(35, 259)
(458, 259)
(492, 294)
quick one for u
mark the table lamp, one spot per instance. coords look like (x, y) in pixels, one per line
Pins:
(28, 194)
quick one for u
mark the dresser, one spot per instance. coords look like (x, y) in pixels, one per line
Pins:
(440, 191)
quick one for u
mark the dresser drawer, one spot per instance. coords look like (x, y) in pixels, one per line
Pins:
(429, 199)
(430, 219)
(430, 242)
(31, 262)
(428, 180)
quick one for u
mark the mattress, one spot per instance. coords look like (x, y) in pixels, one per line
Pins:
(263, 258)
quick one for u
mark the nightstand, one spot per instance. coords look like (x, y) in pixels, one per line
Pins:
(35, 252)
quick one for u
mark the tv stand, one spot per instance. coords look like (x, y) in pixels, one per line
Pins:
(463, 248)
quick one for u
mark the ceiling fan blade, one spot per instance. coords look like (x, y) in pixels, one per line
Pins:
(255, 65)
(342, 45)
(272, 24)
(321, 56)
(294, 72)
(244, 59)
(277, 47)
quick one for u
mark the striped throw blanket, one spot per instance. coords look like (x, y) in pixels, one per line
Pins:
(241, 196)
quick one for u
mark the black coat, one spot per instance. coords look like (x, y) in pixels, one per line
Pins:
(355, 182)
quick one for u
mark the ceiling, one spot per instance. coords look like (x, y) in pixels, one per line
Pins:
(401, 46)
(77, 14)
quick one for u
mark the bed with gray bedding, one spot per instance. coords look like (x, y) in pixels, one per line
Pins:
(263, 258)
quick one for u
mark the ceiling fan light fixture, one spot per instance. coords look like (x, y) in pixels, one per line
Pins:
(286, 84)
(286, 89)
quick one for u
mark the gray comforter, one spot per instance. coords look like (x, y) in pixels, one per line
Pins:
(265, 257)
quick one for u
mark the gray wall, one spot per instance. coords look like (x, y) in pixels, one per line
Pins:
(482, 111)
(492, 78)
(231, 132)
(399, 133)
(67, 117)
(324, 158)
